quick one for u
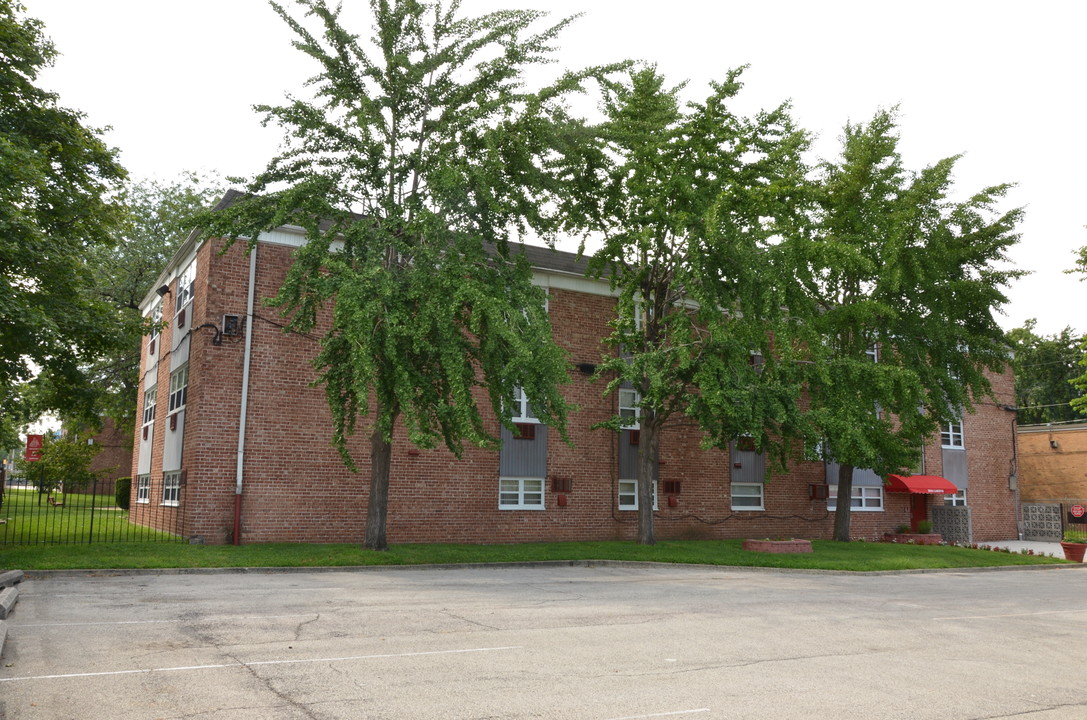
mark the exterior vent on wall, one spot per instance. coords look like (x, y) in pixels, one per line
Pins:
(232, 325)
(635, 437)
(525, 431)
(181, 317)
(151, 346)
(818, 491)
(173, 421)
(673, 487)
(144, 432)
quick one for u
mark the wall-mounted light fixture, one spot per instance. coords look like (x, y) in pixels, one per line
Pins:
(163, 291)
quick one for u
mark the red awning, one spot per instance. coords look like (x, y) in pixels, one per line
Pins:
(923, 484)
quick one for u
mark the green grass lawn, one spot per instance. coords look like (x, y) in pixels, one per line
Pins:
(828, 555)
(29, 519)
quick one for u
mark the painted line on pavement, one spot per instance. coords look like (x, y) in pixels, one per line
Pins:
(1008, 615)
(673, 713)
(240, 664)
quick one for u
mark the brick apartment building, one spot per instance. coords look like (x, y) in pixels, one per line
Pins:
(262, 466)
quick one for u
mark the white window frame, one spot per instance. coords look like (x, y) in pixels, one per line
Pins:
(150, 400)
(864, 498)
(628, 495)
(179, 389)
(143, 489)
(521, 409)
(873, 352)
(156, 319)
(171, 488)
(630, 402)
(185, 284)
(956, 500)
(521, 493)
(951, 435)
(750, 490)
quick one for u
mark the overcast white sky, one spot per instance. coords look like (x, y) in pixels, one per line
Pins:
(1000, 81)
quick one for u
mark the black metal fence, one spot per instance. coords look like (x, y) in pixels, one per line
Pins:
(29, 516)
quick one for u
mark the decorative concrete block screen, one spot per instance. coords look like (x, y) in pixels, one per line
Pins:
(1042, 521)
(953, 523)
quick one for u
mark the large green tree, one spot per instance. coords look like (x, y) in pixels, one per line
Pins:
(159, 216)
(1045, 368)
(900, 273)
(421, 156)
(696, 210)
(1079, 404)
(59, 199)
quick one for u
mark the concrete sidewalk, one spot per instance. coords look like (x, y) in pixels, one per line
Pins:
(1039, 548)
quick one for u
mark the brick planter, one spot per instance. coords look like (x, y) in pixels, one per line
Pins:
(778, 546)
(915, 538)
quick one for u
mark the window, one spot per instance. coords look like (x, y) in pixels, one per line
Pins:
(185, 283)
(520, 493)
(863, 498)
(628, 495)
(179, 388)
(150, 398)
(951, 435)
(629, 409)
(956, 500)
(747, 496)
(156, 318)
(873, 352)
(171, 488)
(521, 408)
(143, 488)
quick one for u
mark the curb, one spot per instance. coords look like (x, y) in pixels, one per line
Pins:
(631, 564)
(8, 597)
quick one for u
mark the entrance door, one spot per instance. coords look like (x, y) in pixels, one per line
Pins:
(918, 509)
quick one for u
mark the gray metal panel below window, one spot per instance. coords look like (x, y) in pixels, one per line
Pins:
(523, 458)
(752, 465)
(955, 467)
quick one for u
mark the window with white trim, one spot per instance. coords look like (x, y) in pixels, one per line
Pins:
(628, 495)
(171, 488)
(873, 352)
(520, 493)
(747, 496)
(956, 500)
(179, 388)
(863, 498)
(156, 318)
(185, 283)
(150, 399)
(521, 408)
(143, 488)
(951, 435)
(629, 408)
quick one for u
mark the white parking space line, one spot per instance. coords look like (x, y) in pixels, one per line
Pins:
(1010, 615)
(673, 713)
(260, 662)
(154, 622)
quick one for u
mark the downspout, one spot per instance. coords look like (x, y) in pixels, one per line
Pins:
(245, 395)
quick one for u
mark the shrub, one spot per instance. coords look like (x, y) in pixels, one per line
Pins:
(123, 492)
(924, 527)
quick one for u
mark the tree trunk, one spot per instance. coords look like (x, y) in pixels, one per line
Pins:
(648, 449)
(845, 498)
(377, 509)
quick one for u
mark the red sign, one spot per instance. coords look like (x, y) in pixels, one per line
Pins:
(1077, 511)
(33, 448)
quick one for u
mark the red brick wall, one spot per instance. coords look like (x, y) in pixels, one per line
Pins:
(296, 487)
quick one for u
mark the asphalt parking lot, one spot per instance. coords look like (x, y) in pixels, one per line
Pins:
(599, 643)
